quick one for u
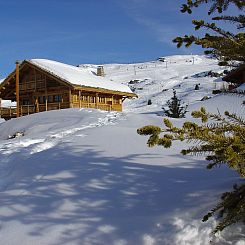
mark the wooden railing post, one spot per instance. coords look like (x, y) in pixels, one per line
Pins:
(46, 103)
(79, 94)
(96, 100)
(70, 99)
(17, 88)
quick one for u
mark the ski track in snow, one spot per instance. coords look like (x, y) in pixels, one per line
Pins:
(53, 139)
(34, 146)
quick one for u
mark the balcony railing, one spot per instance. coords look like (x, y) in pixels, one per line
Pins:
(11, 112)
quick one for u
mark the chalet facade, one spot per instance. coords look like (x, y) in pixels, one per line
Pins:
(42, 85)
(236, 77)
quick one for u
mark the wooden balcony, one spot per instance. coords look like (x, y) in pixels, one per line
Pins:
(8, 112)
(105, 107)
(11, 112)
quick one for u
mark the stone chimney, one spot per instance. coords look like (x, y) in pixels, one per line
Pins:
(100, 71)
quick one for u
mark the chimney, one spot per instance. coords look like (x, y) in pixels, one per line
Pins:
(100, 71)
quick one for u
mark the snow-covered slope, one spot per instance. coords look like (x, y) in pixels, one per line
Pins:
(86, 177)
(155, 80)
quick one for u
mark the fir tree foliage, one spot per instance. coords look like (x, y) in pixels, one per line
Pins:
(223, 142)
(231, 208)
(220, 43)
(175, 108)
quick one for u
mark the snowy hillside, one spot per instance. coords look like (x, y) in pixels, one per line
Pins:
(84, 177)
(155, 80)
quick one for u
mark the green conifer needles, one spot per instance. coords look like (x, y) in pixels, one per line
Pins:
(175, 108)
(231, 208)
(222, 44)
(223, 142)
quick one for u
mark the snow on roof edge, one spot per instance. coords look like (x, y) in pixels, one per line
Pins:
(77, 76)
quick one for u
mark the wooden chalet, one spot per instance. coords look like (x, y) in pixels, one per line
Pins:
(43, 85)
(236, 77)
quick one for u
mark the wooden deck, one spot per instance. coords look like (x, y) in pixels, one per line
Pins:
(11, 112)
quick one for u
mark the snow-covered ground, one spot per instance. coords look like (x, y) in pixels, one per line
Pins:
(84, 177)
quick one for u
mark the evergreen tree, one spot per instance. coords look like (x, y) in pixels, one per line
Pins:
(222, 142)
(175, 109)
(197, 87)
(222, 44)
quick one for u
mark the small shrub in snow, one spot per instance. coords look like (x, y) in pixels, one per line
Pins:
(149, 102)
(197, 86)
(175, 108)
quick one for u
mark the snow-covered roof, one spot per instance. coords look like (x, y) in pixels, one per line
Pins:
(79, 76)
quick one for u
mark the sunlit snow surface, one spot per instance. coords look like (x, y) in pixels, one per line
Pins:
(85, 177)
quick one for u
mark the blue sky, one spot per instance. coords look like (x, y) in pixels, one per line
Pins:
(91, 31)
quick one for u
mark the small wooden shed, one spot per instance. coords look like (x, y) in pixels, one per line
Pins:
(41, 85)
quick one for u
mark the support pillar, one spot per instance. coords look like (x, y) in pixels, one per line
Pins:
(79, 95)
(96, 100)
(17, 89)
(70, 99)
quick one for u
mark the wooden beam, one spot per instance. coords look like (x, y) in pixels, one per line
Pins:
(35, 72)
(17, 89)
(37, 105)
(46, 93)
(96, 100)
(70, 99)
(79, 95)
(46, 103)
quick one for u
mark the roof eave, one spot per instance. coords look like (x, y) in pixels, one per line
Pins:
(107, 91)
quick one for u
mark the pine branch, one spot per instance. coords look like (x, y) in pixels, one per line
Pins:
(223, 142)
(212, 26)
(240, 20)
(216, 5)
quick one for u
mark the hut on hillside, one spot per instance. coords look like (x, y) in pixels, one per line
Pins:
(41, 85)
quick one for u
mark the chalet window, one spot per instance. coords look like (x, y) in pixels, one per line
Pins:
(25, 102)
(57, 98)
(40, 100)
(50, 98)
